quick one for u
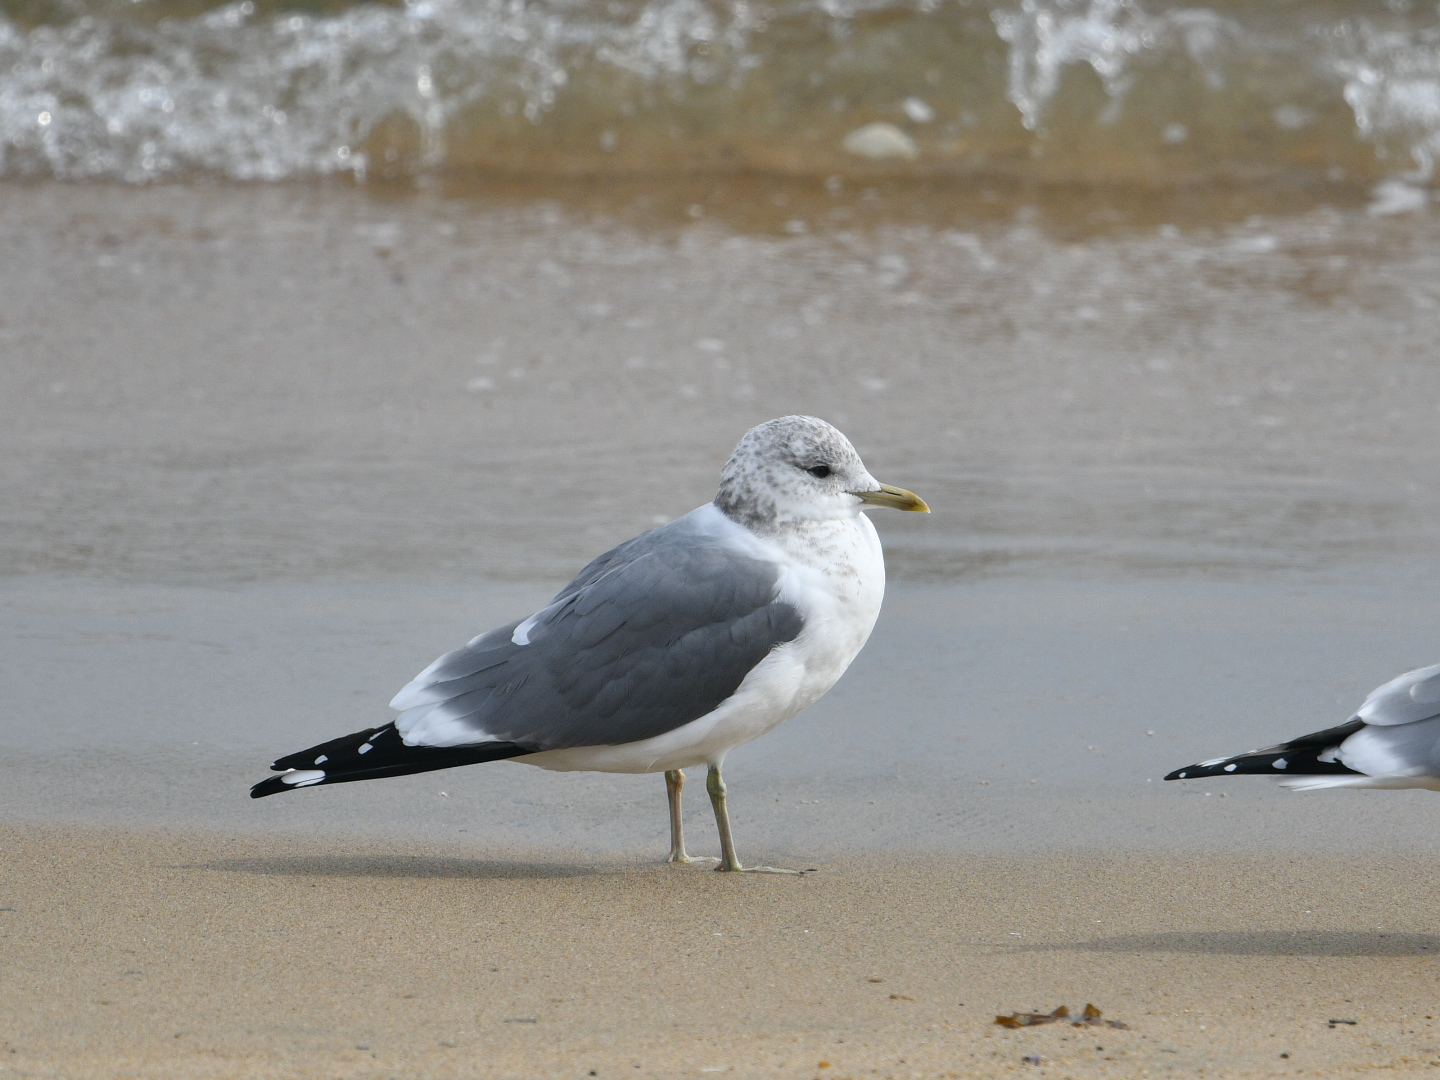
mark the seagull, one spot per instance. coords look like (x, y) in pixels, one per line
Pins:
(1392, 741)
(666, 652)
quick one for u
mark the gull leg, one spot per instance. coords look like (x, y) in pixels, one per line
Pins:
(715, 785)
(674, 784)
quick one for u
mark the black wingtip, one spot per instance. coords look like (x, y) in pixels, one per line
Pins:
(271, 785)
(346, 746)
(372, 754)
(1201, 771)
(1310, 755)
(1272, 762)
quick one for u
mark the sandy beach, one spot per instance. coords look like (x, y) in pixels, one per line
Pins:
(173, 955)
(268, 451)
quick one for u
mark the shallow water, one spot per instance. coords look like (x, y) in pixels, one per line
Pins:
(219, 383)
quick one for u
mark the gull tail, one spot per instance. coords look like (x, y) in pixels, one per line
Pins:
(1351, 780)
(371, 754)
(1309, 755)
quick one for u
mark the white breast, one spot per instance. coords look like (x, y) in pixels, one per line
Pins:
(835, 577)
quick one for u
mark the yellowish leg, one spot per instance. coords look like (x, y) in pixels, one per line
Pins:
(715, 785)
(674, 785)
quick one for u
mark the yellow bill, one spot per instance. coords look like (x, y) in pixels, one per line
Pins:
(893, 497)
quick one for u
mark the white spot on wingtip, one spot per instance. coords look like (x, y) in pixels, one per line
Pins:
(1280, 763)
(365, 748)
(303, 777)
(1231, 767)
(322, 759)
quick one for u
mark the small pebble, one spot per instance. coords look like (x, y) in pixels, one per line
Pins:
(880, 141)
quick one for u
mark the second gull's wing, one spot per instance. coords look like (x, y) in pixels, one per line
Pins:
(1404, 699)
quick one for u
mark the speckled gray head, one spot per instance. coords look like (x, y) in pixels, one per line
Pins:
(796, 469)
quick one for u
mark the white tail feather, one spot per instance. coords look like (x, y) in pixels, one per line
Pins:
(1316, 783)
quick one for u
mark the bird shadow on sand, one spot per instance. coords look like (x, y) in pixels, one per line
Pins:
(1259, 943)
(402, 866)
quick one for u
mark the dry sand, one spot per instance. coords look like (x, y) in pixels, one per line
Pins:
(170, 955)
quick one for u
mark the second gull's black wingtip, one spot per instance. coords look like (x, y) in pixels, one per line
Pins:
(1316, 754)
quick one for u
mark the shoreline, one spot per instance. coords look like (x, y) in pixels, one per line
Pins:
(997, 716)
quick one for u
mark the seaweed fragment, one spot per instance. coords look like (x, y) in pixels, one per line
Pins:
(1090, 1017)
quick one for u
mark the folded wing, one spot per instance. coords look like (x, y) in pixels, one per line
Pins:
(650, 636)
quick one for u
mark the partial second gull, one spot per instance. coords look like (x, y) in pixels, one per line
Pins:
(1392, 741)
(666, 652)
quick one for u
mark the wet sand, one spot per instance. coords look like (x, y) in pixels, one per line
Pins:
(265, 452)
(996, 716)
(166, 955)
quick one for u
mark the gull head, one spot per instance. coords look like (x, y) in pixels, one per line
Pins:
(799, 469)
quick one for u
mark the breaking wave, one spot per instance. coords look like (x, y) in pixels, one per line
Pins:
(1045, 90)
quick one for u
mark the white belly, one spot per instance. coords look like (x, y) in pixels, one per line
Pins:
(838, 602)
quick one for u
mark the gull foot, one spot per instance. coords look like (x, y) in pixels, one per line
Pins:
(722, 868)
(681, 860)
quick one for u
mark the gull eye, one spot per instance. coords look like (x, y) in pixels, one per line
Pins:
(819, 471)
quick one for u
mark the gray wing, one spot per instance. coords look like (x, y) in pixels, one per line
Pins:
(1404, 699)
(650, 636)
(1394, 750)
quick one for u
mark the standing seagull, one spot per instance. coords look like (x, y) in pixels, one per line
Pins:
(1392, 741)
(667, 651)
